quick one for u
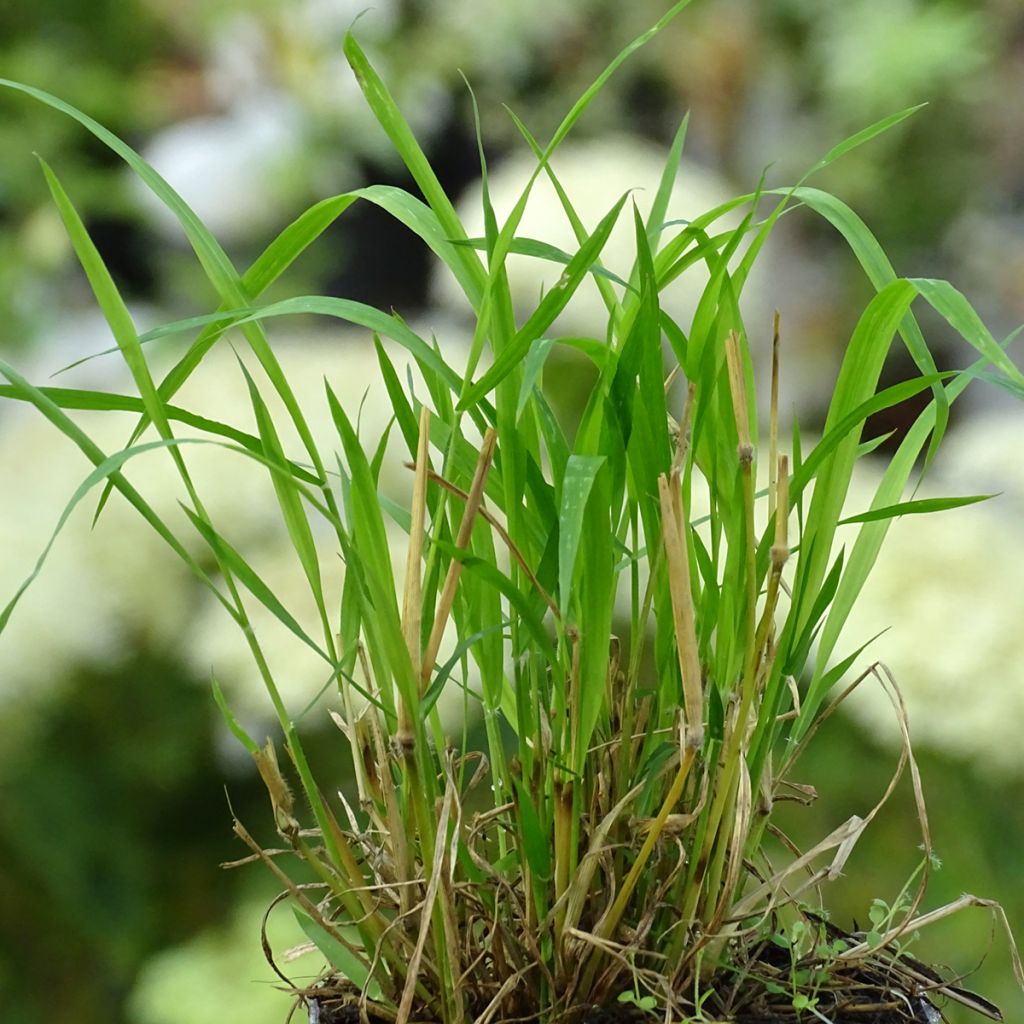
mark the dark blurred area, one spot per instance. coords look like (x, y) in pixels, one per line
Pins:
(113, 813)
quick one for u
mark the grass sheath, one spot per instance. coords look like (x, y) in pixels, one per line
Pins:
(678, 567)
(646, 640)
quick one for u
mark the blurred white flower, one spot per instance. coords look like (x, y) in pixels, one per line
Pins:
(111, 590)
(948, 588)
(104, 591)
(231, 169)
(251, 519)
(595, 174)
(216, 645)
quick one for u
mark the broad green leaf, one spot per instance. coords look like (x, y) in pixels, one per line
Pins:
(576, 486)
(349, 965)
(533, 368)
(536, 839)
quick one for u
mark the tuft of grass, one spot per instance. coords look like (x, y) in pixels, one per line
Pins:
(646, 675)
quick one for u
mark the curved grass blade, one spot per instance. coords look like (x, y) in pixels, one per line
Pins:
(108, 401)
(113, 308)
(229, 719)
(533, 367)
(252, 581)
(540, 250)
(919, 506)
(289, 502)
(552, 304)
(471, 274)
(106, 468)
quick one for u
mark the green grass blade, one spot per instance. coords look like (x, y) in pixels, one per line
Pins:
(108, 401)
(494, 577)
(540, 250)
(374, 557)
(961, 316)
(585, 100)
(601, 276)
(667, 184)
(551, 305)
(110, 471)
(390, 118)
(864, 135)
(106, 468)
(229, 719)
(919, 506)
(857, 379)
(880, 273)
(229, 557)
(209, 253)
(536, 838)
(353, 968)
(288, 500)
(869, 542)
(112, 305)
(885, 399)
(533, 368)
(576, 487)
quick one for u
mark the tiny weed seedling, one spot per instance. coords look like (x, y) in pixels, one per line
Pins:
(644, 611)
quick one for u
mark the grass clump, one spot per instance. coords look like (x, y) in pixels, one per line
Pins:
(645, 610)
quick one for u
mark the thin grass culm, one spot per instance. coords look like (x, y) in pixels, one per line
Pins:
(642, 611)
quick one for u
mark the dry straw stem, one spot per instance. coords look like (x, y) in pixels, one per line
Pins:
(745, 454)
(295, 891)
(927, 978)
(609, 921)
(426, 911)
(779, 556)
(492, 521)
(678, 562)
(738, 389)
(845, 837)
(474, 501)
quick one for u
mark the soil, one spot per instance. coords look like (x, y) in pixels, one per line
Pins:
(884, 989)
(923, 1013)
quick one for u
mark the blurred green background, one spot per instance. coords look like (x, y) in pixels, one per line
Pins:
(114, 765)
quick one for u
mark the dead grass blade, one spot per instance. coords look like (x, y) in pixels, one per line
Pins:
(474, 501)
